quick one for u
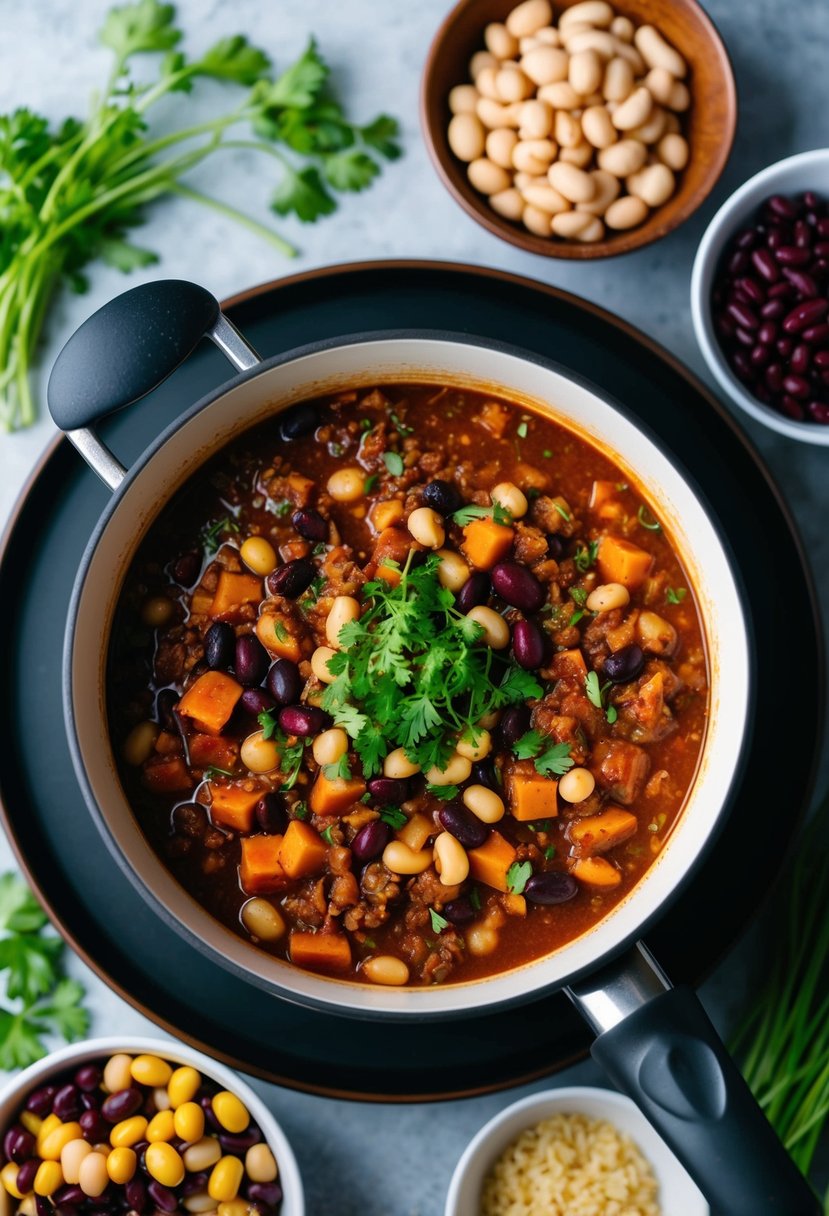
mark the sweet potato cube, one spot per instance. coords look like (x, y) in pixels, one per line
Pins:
(210, 702)
(596, 872)
(200, 602)
(619, 561)
(169, 775)
(213, 751)
(302, 851)
(260, 871)
(485, 543)
(598, 833)
(232, 807)
(386, 514)
(275, 635)
(333, 796)
(532, 796)
(234, 590)
(568, 664)
(321, 951)
(416, 832)
(489, 863)
(604, 501)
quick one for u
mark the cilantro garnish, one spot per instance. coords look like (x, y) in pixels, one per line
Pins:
(521, 430)
(551, 761)
(341, 771)
(565, 515)
(401, 427)
(578, 595)
(212, 772)
(475, 899)
(393, 817)
(281, 509)
(496, 512)
(300, 810)
(647, 520)
(410, 672)
(550, 852)
(212, 534)
(371, 482)
(326, 834)
(445, 792)
(518, 875)
(289, 754)
(597, 695)
(394, 463)
(439, 923)
(585, 556)
(675, 595)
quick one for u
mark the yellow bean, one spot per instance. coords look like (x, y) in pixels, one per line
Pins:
(128, 1132)
(117, 1074)
(183, 1085)
(188, 1121)
(234, 1207)
(8, 1176)
(94, 1176)
(48, 1178)
(51, 1146)
(496, 630)
(201, 1155)
(225, 1179)
(164, 1163)
(230, 1111)
(140, 743)
(484, 802)
(347, 485)
(262, 920)
(71, 1156)
(121, 1165)
(31, 1122)
(259, 555)
(150, 1070)
(50, 1124)
(161, 1126)
(451, 861)
(260, 1163)
(386, 969)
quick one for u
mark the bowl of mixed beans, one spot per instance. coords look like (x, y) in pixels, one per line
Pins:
(109, 1126)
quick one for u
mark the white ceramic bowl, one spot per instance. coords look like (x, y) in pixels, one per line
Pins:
(14, 1093)
(806, 171)
(678, 1196)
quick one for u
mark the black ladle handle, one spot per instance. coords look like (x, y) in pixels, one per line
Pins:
(659, 1047)
(125, 350)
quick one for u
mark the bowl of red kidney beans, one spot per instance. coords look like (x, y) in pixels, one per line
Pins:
(108, 1127)
(760, 296)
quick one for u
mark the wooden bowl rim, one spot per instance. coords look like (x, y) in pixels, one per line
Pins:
(652, 230)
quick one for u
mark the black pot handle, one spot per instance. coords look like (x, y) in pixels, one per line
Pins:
(125, 350)
(657, 1044)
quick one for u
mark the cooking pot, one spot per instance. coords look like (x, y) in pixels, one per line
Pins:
(655, 1041)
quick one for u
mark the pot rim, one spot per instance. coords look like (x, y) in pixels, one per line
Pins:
(327, 1004)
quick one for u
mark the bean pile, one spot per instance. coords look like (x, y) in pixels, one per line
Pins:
(572, 128)
(136, 1134)
(770, 304)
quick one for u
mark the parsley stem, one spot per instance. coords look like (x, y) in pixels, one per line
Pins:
(246, 221)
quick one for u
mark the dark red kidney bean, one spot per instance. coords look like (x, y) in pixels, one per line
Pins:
(811, 200)
(123, 1104)
(310, 525)
(136, 1193)
(801, 358)
(67, 1103)
(767, 332)
(442, 496)
(475, 591)
(18, 1144)
(165, 703)
(746, 239)
(483, 773)
(251, 660)
(819, 412)
(206, 1103)
(551, 888)
(219, 646)
(292, 579)
(802, 235)
(816, 335)
(744, 337)
(781, 291)
(738, 262)
(761, 392)
(194, 1182)
(515, 722)
(26, 1174)
(459, 911)
(528, 645)
(459, 822)
(784, 347)
(94, 1127)
(792, 255)
(773, 310)
(741, 365)
(624, 665)
(371, 839)
(751, 289)
(40, 1100)
(796, 386)
(140, 1150)
(298, 421)
(42, 1206)
(802, 282)
(394, 790)
(271, 815)
(304, 720)
(822, 359)
(792, 408)
(518, 586)
(778, 204)
(256, 701)
(743, 315)
(822, 249)
(760, 356)
(765, 265)
(284, 682)
(774, 377)
(268, 1193)
(725, 328)
(822, 226)
(69, 1195)
(805, 314)
(240, 1142)
(776, 237)
(93, 1099)
(162, 1197)
(186, 569)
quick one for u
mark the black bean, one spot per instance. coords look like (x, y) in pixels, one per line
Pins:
(271, 815)
(515, 722)
(475, 591)
(219, 646)
(42, 1206)
(310, 524)
(625, 664)
(528, 645)
(518, 586)
(298, 421)
(251, 660)
(442, 496)
(551, 888)
(284, 682)
(463, 825)
(165, 704)
(394, 790)
(370, 840)
(556, 546)
(304, 720)
(459, 911)
(292, 579)
(483, 773)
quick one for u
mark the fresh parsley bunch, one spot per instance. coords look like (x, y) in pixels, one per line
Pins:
(70, 194)
(411, 673)
(42, 1000)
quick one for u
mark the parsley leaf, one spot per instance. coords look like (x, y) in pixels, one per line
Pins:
(528, 745)
(341, 771)
(445, 792)
(19, 910)
(211, 536)
(393, 817)
(394, 463)
(300, 810)
(234, 59)
(676, 595)
(289, 754)
(302, 192)
(597, 694)
(381, 136)
(351, 169)
(578, 595)
(518, 875)
(141, 27)
(554, 760)
(439, 923)
(496, 512)
(299, 85)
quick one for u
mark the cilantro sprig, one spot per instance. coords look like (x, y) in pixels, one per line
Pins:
(597, 695)
(42, 1000)
(290, 754)
(553, 760)
(518, 875)
(496, 512)
(70, 193)
(411, 673)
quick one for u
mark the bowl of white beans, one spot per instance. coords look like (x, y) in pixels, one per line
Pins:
(578, 128)
(146, 1123)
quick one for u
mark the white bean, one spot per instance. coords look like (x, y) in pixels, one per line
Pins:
(654, 184)
(463, 99)
(567, 129)
(652, 129)
(474, 751)
(600, 41)
(508, 495)
(485, 83)
(592, 233)
(344, 609)
(487, 177)
(622, 28)
(496, 630)
(657, 52)
(570, 223)
(451, 861)
(585, 72)
(608, 596)
(576, 785)
(466, 136)
(508, 203)
(546, 199)
(499, 146)
(597, 127)
(386, 969)
(625, 213)
(454, 772)
(548, 35)
(672, 124)
(500, 41)
(672, 150)
(536, 120)
(591, 12)
(529, 17)
(572, 182)
(627, 156)
(625, 51)
(397, 764)
(580, 156)
(453, 571)
(493, 114)
(561, 95)
(330, 746)
(319, 664)
(659, 83)
(607, 191)
(484, 803)
(481, 939)
(533, 155)
(479, 61)
(634, 110)
(400, 859)
(545, 64)
(680, 98)
(512, 84)
(426, 526)
(618, 80)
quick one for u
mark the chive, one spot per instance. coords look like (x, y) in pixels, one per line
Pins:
(647, 520)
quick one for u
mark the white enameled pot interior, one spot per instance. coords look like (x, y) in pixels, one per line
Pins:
(366, 363)
(14, 1093)
(794, 175)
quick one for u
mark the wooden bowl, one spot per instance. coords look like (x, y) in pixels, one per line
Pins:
(709, 124)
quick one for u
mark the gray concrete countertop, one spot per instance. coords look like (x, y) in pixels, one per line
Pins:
(360, 1159)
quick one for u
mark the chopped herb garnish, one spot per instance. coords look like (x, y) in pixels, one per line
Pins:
(371, 482)
(621, 486)
(675, 595)
(394, 463)
(336, 449)
(401, 426)
(578, 595)
(312, 594)
(341, 771)
(521, 430)
(439, 923)
(281, 509)
(300, 810)
(576, 617)
(597, 695)
(211, 537)
(518, 875)
(647, 520)
(319, 549)
(549, 761)
(565, 515)
(393, 817)
(585, 556)
(365, 424)
(546, 453)
(475, 899)
(326, 834)
(280, 630)
(611, 714)
(370, 942)
(496, 512)
(290, 754)
(212, 772)
(550, 852)
(445, 792)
